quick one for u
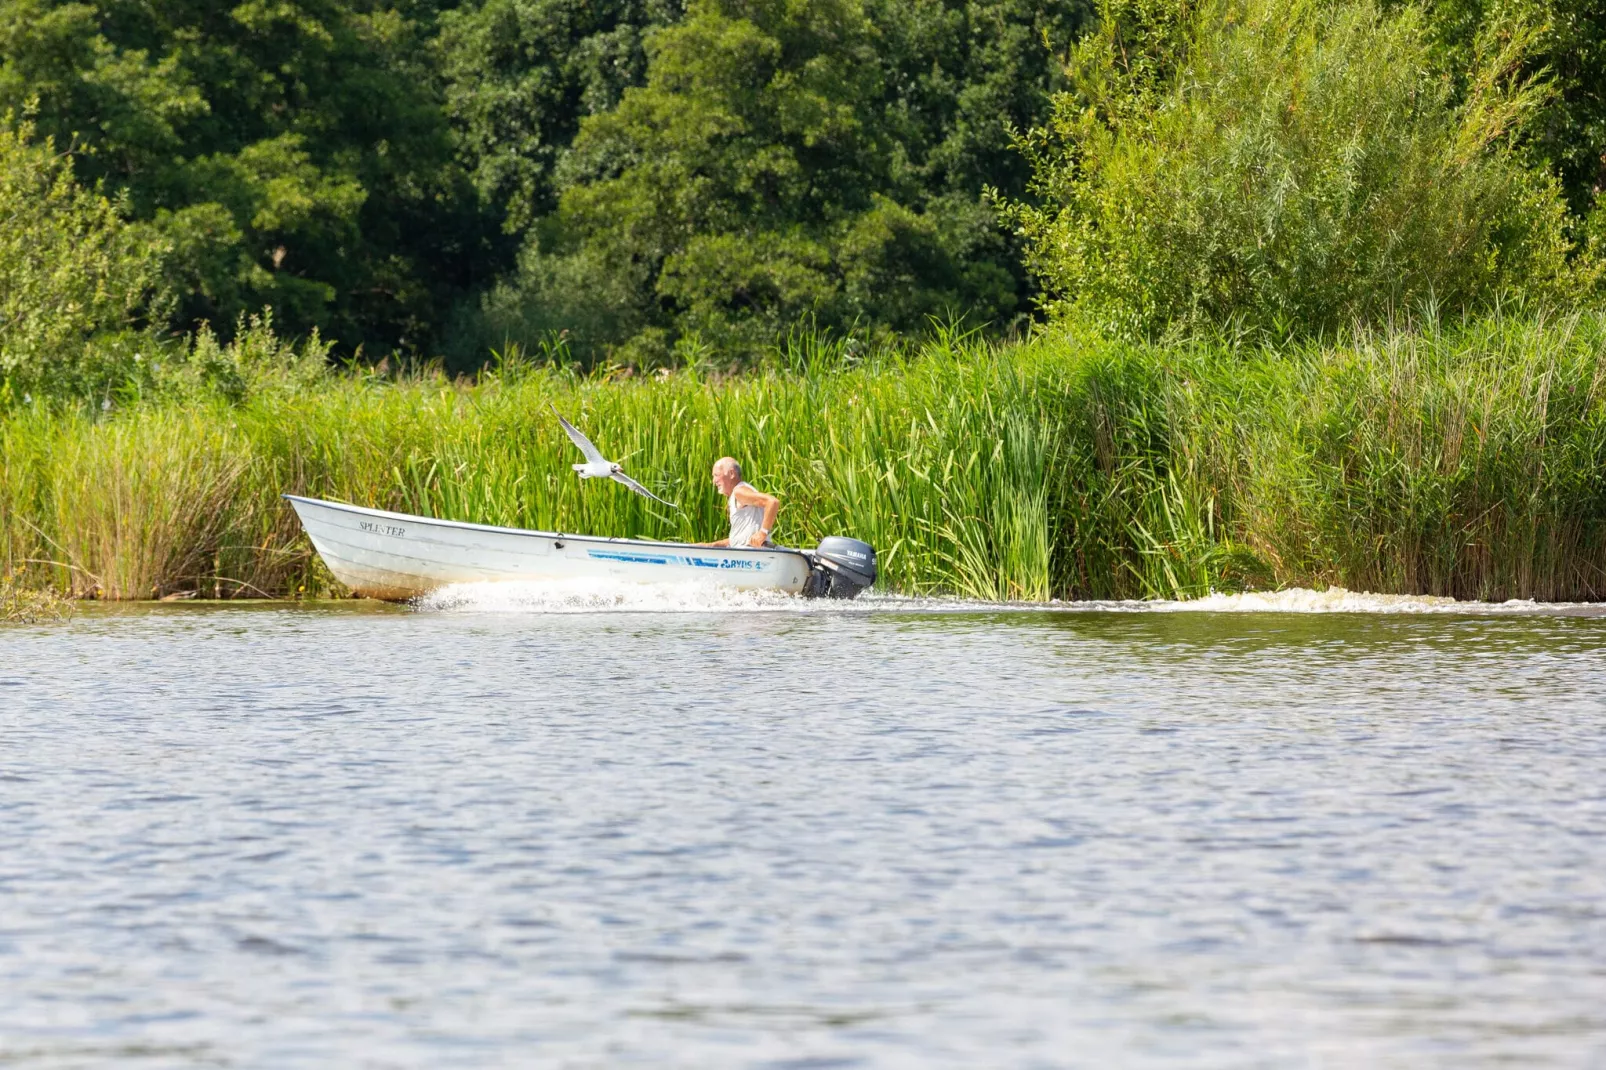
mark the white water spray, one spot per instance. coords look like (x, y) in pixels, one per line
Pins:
(592, 595)
(1340, 600)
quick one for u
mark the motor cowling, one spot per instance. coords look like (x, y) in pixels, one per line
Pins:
(842, 568)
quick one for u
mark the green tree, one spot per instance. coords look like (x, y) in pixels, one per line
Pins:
(1568, 131)
(72, 270)
(963, 75)
(788, 161)
(1288, 167)
(294, 153)
(521, 74)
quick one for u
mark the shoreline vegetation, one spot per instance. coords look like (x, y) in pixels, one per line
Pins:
(1272, 294)
(1466, 460)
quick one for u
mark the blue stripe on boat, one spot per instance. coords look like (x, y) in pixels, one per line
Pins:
(678, 559)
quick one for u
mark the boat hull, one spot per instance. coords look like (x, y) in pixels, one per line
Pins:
(395, 556)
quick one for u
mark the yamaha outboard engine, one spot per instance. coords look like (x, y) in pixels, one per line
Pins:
(842, 568)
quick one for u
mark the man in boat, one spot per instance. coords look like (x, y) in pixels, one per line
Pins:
(752, 511)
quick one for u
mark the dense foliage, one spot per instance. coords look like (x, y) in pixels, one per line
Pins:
(788, 162)
(664, 179)
(293, 154)
(1568, 133)
(72, 271)
(365, 167)
(1465, 459)
(1288, 165)
(521, 74)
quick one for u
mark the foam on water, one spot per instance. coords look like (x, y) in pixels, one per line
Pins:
(595, 595)
(1340, 600)
(608, 595)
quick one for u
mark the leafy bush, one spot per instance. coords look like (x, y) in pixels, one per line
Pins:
(254, 362)
(1286, 167)
(72, 271)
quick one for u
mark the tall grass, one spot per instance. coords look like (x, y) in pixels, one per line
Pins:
(1469, 462)
(166, 497)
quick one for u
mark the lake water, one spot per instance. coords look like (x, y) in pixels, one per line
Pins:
(588, 830)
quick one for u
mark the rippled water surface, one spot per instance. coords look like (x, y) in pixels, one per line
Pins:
(897, 835)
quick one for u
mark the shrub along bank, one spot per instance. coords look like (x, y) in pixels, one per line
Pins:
(1468, 462)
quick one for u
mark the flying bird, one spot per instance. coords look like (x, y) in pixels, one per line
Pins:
(599, 467)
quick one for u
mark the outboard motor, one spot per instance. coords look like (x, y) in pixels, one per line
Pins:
(842, 568)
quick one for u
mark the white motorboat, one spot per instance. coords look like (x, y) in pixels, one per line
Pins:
(396, 556)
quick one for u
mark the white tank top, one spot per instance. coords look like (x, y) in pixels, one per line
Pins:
(745, 519)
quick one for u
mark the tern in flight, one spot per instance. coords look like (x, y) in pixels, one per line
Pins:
(599, 467)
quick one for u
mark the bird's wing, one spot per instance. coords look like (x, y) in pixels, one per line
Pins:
(639, 489)
(593, 454)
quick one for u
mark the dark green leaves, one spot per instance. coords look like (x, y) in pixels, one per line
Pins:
(295, 153)
(787, 162)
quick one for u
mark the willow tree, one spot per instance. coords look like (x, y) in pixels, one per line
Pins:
(1287, 167)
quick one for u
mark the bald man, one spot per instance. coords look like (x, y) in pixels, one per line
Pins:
(752, 512)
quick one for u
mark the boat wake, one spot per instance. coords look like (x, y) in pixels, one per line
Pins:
(591, 595)
(1340, 600)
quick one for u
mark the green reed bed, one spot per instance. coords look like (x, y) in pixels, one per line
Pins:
(1469, 462)
(166, 497)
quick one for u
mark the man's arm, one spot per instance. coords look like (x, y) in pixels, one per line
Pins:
(772, 508)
